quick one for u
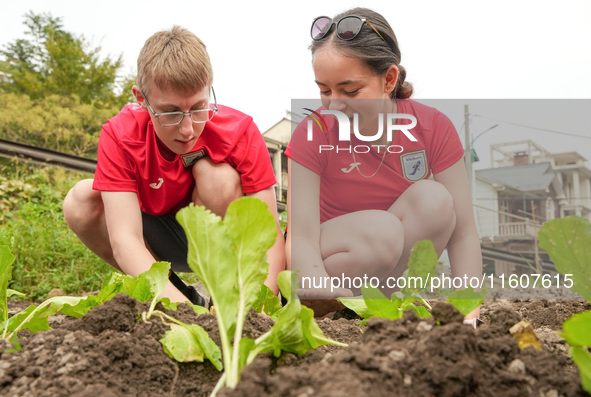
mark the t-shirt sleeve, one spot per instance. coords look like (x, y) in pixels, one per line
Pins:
(253, 161)
(305, 149)
(114, 171)
(446, 147)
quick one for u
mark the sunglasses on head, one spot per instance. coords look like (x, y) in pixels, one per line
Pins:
(347, 27)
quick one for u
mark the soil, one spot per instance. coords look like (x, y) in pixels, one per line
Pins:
(112, 352)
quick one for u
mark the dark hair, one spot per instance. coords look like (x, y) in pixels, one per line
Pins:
(368, 47)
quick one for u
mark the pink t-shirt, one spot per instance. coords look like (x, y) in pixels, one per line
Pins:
(343, 186)
(129, 159)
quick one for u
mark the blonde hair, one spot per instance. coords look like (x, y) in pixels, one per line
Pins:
(174, 59)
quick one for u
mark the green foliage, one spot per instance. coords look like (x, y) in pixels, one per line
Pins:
(61, 123)
(230, 261)
(421, 267)
(266, 301)
(53, 61)
(568, 242)
(48, 253)
(6, 259)
(184, 342)
(466, 300)
(229, 257)
(59, 91)
(295, 329)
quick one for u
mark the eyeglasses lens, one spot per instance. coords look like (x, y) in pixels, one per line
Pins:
(348, 28)
(320, 27)
(202, 116)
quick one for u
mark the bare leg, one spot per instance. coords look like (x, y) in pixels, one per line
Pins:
(364, 243)
(216, 185)
(427, 213)
(85, 215)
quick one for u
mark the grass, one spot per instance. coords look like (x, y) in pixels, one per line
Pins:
(48, 254)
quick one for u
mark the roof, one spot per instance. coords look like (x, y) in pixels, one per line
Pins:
(524, 178)
(280, 132)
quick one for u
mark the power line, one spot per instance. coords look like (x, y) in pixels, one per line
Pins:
(533, 128)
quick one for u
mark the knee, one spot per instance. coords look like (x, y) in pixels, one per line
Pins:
(432, 201)
(216, 185)
(383, 241)
(82, 204)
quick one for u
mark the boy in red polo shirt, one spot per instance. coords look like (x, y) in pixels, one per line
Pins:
(174, 147)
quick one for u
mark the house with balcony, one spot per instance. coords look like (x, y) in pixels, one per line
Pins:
(528, 186)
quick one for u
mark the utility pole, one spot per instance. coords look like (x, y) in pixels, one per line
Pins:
(468, 152)
(536, 251)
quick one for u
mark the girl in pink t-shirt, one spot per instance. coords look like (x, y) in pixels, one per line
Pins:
(358, 199)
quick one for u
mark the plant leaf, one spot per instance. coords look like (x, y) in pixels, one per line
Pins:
(380, 306)
(35, 318)
(583, 360)
(466, 300)
(252, 228)
(190, 342)
(247, 345)
(147, 285)
(295, 329)
(421, 265)
(266, 301)
(213, 260)
(157, 277)
(356, 304)
(11, 292)
(6, 259)
(577, 329)
(82, 307)
(568, 242)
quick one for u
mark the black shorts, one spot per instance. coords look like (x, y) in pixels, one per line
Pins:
(167, 240)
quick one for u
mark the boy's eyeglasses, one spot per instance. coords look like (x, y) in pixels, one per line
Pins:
(347, 28)
(175, 118)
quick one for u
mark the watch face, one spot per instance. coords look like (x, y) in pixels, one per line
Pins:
(191, 158)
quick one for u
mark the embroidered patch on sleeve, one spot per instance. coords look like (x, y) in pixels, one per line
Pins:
(414, 165)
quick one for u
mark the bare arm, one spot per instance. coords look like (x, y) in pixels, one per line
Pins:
(276, 254)
(124, 224)
(463, 248)
(303, 203)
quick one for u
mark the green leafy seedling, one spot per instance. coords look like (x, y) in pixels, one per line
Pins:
(6, 259)
(230, 258)
(568, 242)
(421, 266)
(466, 300)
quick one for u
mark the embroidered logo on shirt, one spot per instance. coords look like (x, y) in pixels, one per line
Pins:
(414, 165)
(157, 185)
(353, 166)
(191, 158)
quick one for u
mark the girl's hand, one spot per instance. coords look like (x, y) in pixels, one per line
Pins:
(323, 301)
(472, 318)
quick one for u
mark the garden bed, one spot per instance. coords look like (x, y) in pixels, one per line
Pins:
(110, 352)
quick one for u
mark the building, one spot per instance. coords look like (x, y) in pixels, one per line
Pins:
(528, 186)
(277, 138)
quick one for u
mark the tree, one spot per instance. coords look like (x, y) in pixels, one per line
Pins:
(52, 61)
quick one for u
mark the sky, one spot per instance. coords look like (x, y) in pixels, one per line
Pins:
(487, 54)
